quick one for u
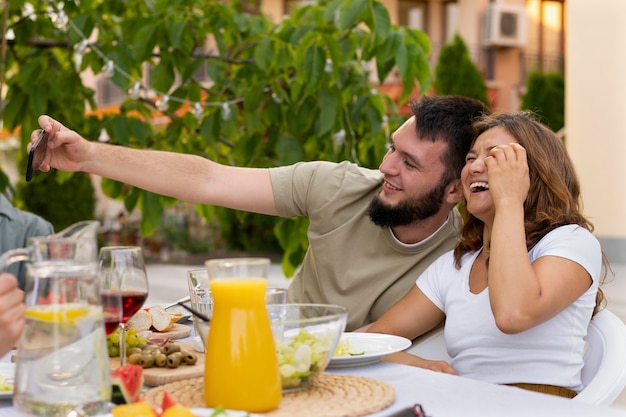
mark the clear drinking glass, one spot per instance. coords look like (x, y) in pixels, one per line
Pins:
(200, 299)
(276, 295)
(125, 268)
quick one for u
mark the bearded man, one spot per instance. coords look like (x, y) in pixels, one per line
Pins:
(371, 232)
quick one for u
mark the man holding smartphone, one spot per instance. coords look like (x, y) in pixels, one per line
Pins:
(371, 231)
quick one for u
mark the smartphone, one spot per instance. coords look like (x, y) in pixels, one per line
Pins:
(36, 158)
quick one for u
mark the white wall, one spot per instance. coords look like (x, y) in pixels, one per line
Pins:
(596, 114)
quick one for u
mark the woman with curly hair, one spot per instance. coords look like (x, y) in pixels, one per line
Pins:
(519, 289)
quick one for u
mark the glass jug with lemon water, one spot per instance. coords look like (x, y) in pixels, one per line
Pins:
(62, 361)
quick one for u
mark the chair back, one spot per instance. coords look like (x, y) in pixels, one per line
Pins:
(431, 345)
(604, 370)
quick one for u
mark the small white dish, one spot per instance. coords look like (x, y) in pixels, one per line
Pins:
(7, 371)
(373, 345)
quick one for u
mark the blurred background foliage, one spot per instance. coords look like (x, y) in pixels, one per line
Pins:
(279, 93)
(456, 73)
(62, 203)
(545, 96)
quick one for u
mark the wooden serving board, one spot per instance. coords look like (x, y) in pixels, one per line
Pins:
(177, 331)
(158, 376)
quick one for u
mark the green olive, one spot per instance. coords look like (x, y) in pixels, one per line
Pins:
(173, 361)
(171, 348)
(135, 358)
(160, 360)
(132, 351)
(189, 358)
(147, 361)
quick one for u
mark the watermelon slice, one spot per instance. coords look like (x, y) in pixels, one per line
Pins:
(168, 401)
(127, 383)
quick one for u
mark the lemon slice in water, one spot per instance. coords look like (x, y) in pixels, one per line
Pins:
(59, 313)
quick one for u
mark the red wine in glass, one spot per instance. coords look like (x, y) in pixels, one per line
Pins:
(112, 307)
(132, 301)
(110, 324)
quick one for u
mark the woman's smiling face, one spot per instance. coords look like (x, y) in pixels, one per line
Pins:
(474, 176)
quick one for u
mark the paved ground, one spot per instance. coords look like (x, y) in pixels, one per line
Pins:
(168, 283)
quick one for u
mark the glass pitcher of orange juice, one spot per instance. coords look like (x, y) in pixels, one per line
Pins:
(241, 369)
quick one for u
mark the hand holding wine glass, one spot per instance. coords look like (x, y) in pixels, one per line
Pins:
(125, 266)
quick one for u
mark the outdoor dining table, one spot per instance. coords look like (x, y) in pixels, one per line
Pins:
(443, 395)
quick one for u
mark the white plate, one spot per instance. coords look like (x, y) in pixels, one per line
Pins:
(374, 346)
(208, 412)
(7, 370)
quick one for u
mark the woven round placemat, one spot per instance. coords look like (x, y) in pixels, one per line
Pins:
(330, 395)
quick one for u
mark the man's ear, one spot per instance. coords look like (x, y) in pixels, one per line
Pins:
(454, 192)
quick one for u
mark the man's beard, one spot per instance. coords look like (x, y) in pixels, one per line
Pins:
(409, 211)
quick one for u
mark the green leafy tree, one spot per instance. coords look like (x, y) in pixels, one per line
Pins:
(279, 93)
(457, 74)
(545, 96)
(61, 202)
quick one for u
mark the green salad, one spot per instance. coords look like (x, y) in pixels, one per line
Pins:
(302, 357)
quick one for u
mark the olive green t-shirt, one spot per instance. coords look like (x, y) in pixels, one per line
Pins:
(350, 261)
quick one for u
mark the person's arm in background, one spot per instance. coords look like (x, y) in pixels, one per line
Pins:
(12, 311)
(189, 178)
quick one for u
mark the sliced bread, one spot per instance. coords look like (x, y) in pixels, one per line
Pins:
(162, 321)
(140, 321)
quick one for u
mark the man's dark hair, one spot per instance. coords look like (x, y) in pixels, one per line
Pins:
(449, 119)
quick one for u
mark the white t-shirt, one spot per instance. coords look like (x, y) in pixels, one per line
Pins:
(550, 353)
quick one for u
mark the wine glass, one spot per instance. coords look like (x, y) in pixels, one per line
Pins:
(125, 265)
(111, 302)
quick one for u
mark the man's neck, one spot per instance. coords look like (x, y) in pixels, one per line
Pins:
(415, 233)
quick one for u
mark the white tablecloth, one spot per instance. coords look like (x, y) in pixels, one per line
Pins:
(443, 395)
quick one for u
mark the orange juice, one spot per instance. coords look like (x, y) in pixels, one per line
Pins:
(241, 369)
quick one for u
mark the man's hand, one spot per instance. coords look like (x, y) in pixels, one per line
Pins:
(65, 149)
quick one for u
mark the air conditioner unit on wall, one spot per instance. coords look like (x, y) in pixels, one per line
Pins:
(505, 25)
